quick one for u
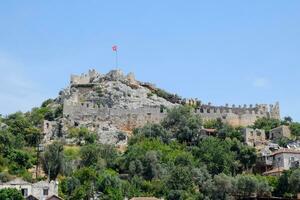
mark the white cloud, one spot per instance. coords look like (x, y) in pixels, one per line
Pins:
(261, 82)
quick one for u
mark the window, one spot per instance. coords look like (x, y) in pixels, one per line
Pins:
(45, 191)
(258, 133)
(24, 192)
(292, 159)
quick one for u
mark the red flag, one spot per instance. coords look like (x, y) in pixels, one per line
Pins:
(115, 48)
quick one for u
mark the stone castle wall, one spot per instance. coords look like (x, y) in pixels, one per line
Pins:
(127, 119)
(121, 118)
(238, 116)
(77, 110)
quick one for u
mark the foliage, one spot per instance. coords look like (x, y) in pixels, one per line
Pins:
(167, 160)
(174, 98)
(266, 123)
(82, 135)
(295, 128)
(53, 159)
(214, 124)
(294, 181)
(183, 124)
(10, 194)
(46, 103)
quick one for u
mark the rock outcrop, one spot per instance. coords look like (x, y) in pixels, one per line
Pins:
(111, 105)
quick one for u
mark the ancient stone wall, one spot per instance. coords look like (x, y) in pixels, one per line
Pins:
(80, 106)
(127, 119)
(121, 118)
(238, 116)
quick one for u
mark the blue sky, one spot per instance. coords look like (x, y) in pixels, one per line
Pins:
(222, 52)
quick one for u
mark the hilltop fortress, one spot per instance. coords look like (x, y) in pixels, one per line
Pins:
(112, 103)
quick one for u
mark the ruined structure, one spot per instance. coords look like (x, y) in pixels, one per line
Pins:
(279, 132)
(112, 103)
(254, 137)
(238, 115)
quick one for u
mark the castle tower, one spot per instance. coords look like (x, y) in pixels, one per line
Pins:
(275, 111)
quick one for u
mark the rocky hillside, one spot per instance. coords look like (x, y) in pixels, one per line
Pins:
(111, 105)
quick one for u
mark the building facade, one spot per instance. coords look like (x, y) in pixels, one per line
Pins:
(254, 137)
(41, 190)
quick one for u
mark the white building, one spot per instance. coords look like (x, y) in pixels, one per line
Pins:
(41, 190)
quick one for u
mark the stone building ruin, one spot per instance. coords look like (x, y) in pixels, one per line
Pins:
(113, 102)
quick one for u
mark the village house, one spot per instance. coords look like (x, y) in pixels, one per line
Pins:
(41, 190)
(278, 161)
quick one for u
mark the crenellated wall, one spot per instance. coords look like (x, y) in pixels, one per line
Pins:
(84, 78)
(238, 115)
(127, 119)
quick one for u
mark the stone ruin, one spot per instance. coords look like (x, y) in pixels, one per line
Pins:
(114, 103)
(238, 115)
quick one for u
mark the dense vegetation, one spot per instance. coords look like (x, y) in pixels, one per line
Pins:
(169, 160)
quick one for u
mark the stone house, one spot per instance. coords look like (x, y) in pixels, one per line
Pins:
(41, 190)
(205, 132)
(279, 132)
(278, 161)
(254, 137)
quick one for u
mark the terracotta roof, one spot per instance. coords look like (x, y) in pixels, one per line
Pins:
(274, 171)
(54, 197)
(31, 197)
(285, 151)
(209, 129)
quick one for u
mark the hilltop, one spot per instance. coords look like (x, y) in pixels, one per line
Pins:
(114, 104)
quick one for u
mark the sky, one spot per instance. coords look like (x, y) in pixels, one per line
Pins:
(235, 52)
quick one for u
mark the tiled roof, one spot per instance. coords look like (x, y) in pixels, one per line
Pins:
(274, 171)
(285, 151)
(17, 181)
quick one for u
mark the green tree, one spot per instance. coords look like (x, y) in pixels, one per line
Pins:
(245, 185)
(247, 157)
(295, 128)
(110, 185)
(217, 155)
(152, 167)
(32, 136)
(10, 194)
(69, 184)
(153, 131)
(283, 184)
(287, 121)
(180, 179)
(17, 123)
(266, 123)
(223, 187)
(183, 124)
(21, 158)
(294, 181)
(90, 155)
(53, 160)
(214, 123)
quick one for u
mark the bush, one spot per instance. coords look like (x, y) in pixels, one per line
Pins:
(11, 194)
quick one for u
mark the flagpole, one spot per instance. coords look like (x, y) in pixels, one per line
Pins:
(116, 58)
